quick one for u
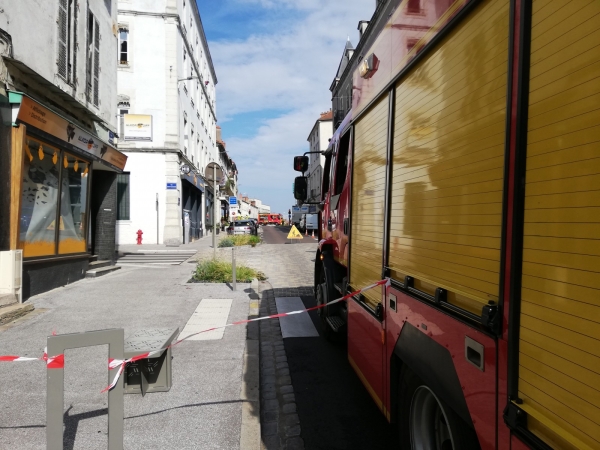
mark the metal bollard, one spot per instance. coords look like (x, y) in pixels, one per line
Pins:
(233, 267)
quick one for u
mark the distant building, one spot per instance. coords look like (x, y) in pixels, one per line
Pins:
(57, 102)
(167, 122)
(341, 86)
(318, 140)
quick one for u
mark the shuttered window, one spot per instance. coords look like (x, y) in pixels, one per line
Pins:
(123, 207)
(368, 199)
(93, 61)
(559, 348)
(448, 162)
(63, 35)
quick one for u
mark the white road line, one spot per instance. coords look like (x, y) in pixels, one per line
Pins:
(211, 312)
(297, 325)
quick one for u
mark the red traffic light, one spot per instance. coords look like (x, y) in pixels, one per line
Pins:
(300, 163)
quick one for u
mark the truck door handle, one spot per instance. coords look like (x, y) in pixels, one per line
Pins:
(346, 226)
(329, 225)
(474, 353)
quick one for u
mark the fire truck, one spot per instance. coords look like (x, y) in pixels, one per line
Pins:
(468, 173)
(270, 219)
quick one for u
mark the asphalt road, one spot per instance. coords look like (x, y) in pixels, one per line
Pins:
(335, 410)
(278, 235)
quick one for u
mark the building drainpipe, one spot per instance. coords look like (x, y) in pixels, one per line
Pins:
(214, 211)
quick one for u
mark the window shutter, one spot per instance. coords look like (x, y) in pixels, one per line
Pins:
(96, 62)
(62, 38)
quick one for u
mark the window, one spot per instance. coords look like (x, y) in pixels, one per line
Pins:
(122, 113)
(410, 43)
(67, 40)
(93, 60)
(123, 53)
(413, 7)
(341, 162)
(55, 187)
(184, 54)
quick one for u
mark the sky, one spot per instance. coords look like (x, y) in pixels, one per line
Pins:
(275, 61)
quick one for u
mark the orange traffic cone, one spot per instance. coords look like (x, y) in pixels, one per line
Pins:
(313, 234)
(305, 232)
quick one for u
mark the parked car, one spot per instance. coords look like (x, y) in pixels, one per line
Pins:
(242, 227)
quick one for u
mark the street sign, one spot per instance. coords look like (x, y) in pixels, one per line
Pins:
(294, 233)
(233, 200)
(171, 185)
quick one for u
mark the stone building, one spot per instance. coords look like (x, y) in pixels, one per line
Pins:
(58, 161)
(167, 122)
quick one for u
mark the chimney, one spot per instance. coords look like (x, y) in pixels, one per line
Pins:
(362, 27)
(219, 133)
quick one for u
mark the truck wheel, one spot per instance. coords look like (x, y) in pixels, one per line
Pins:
(325, 293)
(427, 423)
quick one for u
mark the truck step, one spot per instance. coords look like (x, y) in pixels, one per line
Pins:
(336, 323)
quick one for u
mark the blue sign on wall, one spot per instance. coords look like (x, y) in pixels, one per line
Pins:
(171, 185)
(233, 200)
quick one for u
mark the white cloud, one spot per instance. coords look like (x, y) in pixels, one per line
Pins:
(288, 68)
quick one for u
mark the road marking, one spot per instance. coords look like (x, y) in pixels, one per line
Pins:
(298, 325)
(210, 312)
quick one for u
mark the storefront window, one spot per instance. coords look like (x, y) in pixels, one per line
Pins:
(73, 202)
(39, 199)
(42, 198)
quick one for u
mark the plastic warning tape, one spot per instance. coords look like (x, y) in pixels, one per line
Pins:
(53, 362)
(114, 363)
(58, 361)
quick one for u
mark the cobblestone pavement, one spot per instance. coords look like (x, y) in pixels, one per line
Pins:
(289, 271)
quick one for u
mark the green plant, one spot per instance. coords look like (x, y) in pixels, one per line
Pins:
(226, 242)
(217, 271)
(243, 239)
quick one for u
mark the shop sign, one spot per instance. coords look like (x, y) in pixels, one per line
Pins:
(171, 186)
(138, 127)
(35, 114)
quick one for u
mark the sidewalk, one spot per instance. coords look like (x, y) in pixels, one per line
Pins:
(214, 399)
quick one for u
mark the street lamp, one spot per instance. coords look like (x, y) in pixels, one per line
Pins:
(188, 78)
(215, 167)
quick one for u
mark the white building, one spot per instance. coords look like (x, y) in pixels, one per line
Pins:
(262, 208)
(167, 121)
(57, 101)
(318, 140)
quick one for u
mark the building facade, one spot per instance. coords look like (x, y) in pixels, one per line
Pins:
(167, 123)
(318, 140)
(58, 162)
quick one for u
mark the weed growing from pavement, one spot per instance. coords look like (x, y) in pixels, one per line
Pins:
(243, 239)
(217, 271)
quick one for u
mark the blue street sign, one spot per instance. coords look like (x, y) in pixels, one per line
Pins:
(171, 185)
(233, 200)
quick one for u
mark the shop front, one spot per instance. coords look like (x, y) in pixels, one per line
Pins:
(192, 187)
(63, 195)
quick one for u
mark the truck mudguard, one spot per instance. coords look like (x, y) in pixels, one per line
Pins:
(433, 364)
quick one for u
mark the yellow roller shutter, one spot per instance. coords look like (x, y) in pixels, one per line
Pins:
(448, 162)
(368, 198)
(559, 358)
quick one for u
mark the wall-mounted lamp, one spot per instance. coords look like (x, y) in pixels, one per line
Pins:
(188, 78)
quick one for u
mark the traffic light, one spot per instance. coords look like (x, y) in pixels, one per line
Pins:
(301, 188)
(300, 163)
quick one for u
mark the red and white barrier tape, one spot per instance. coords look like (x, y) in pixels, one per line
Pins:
(58, 361)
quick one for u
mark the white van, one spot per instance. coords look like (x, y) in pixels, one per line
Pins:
(312, 222)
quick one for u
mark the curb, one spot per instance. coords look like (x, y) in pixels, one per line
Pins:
(250, 434)
(13, 312)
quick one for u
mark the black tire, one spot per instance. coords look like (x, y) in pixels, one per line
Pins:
(325, 292)
(426, 422)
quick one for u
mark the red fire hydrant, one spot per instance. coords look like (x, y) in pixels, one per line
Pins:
(139, 237)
